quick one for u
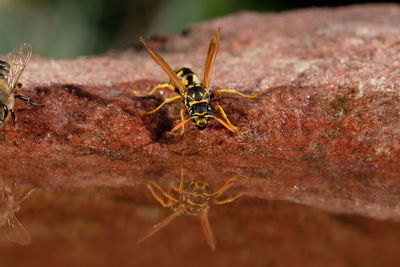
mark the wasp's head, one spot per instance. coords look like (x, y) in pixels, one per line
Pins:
(200, 115)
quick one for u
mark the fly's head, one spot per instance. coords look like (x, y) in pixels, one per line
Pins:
(3, 113)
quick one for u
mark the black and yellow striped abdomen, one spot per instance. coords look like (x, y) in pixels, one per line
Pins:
(187, 77)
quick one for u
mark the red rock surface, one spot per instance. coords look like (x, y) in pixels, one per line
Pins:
(324, 132)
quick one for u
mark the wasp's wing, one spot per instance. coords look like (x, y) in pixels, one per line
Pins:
(159, 226)
(207, 230)
(16, 232)
(165, 67)
(18, 59)
(211, 55)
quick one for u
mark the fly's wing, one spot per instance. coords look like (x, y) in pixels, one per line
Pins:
(2, 190)
(211, 55)
(18, 59)
(16, 232)
(207, 230)
(160, 61)
(23, 193)
(159, 226)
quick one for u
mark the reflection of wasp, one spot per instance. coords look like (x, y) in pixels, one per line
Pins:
(9, 204)
(10, 71)
(192, 199)
(195, 95)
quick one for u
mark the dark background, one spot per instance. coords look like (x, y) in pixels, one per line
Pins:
(70, 28)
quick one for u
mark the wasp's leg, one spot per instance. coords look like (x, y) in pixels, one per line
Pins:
(179, 189)
(228, 200)
(228, 184)
(191, 202)
(220, 191)
(169, 100)
(158, 87)
(222, 112)
(28, 100)
(182, 123)
(182, 120)
(230, 91)
(166, 194)
(165, 203)
(227, 126)
(182, 179)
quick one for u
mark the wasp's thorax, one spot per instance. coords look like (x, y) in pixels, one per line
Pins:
(193, 198)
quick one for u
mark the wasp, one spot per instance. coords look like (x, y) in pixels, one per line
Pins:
(195, 95)
(191, 198)
(10, 72)
(10, 202)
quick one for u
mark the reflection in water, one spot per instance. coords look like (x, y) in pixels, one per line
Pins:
(95, 226)
(189, 198)
(11, 196)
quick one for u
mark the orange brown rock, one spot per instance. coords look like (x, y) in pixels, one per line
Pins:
(324, 132)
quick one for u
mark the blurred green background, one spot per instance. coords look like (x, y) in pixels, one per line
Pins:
(70, 28)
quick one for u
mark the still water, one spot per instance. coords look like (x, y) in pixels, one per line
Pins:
(127, 225)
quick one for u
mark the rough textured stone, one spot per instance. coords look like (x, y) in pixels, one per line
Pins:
(324, 132)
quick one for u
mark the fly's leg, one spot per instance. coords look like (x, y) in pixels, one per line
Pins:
(14, 118)
(4, 108)
(28, 100)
